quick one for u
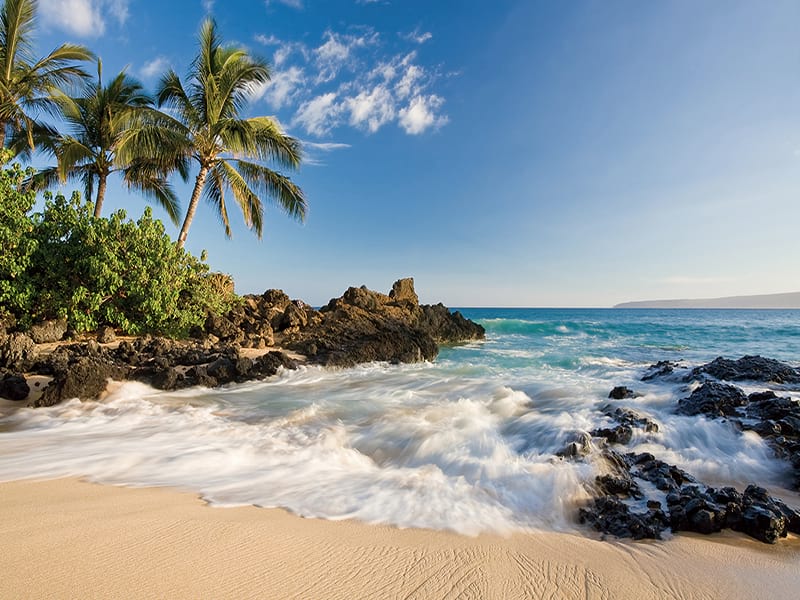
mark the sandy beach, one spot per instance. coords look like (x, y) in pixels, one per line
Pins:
(72, 539)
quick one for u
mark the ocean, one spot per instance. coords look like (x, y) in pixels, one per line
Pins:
(465, 443)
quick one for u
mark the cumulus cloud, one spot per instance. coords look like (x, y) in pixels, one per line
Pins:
(371, 109)
(420, 114)
(280, 89)
(318, 115)
(85, 18)
(208, 5)
(154, 68)
(348, 78)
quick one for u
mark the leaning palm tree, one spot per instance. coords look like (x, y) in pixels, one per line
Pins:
(232, 153)
(105, 125)
(28, 84)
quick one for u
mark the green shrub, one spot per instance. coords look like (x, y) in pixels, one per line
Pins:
(64, 262)
(17, 245)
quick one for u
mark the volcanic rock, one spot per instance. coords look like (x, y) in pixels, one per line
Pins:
(749, 368)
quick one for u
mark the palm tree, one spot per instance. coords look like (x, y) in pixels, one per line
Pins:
(106, 124)
(231, 151)
(27, 84)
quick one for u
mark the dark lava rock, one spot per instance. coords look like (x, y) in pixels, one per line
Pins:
(49, 331)
(691, 505)
(621, 434)
(749, 368)
(106, 335)
(661, 369)
(611, 515)
(365, 326)
(17, 351)
(713, 400)
(618, 486)
(631, 418)
(85, 378)
(14, 387)
(621, 393)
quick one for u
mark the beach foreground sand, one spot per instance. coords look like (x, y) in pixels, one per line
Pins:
(72, 539)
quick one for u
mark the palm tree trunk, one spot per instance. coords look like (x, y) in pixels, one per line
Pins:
(101, 194)
(199, 183)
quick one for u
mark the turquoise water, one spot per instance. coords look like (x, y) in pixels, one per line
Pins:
(466, 443)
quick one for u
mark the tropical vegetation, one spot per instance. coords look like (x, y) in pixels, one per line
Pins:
(230, 151)
(61, 258)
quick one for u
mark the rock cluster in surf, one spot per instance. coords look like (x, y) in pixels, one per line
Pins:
(641, 496)
(360, 326)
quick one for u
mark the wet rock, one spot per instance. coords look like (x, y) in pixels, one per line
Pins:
(749, 368)
(611, 515)
(621, 393)
(13, 386)
(614, 485)
(167, 379)
(85, 379)
(49, 331)
(580, 445)
(621, 434)
(447, 327)
(691, 505)
(106, 335)
(631, 418)
(661, 369)
(713, 399)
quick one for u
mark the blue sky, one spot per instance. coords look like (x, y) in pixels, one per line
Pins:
(506, 153)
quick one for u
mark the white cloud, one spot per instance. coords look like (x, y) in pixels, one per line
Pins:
(267, 40)
(325, 146)
(280, 89)
(410, 83)
(154, 68)
(318, 115)
(417, 36)
(332, 55)
(313, 149)
(81, 17)
(371, 109)
(118, 9)
(349, 79)
(420, 114)
(208, 5)
(85, 18)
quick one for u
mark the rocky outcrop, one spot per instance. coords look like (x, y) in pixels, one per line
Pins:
(621, 393)
(361, 326)
(17, 351)
(48, 331)
(748, 368)
(691, 505)
(13, 386)
(713, 399)
(365, 326)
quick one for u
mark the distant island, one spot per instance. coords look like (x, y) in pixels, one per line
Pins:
(788, 300)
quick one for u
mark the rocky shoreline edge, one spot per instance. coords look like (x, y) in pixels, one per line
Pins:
(263, 334)
(641, 497)
(638, 496)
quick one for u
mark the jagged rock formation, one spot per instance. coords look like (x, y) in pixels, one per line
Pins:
(361, 326)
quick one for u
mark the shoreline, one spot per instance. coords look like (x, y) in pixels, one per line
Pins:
(70, 538)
